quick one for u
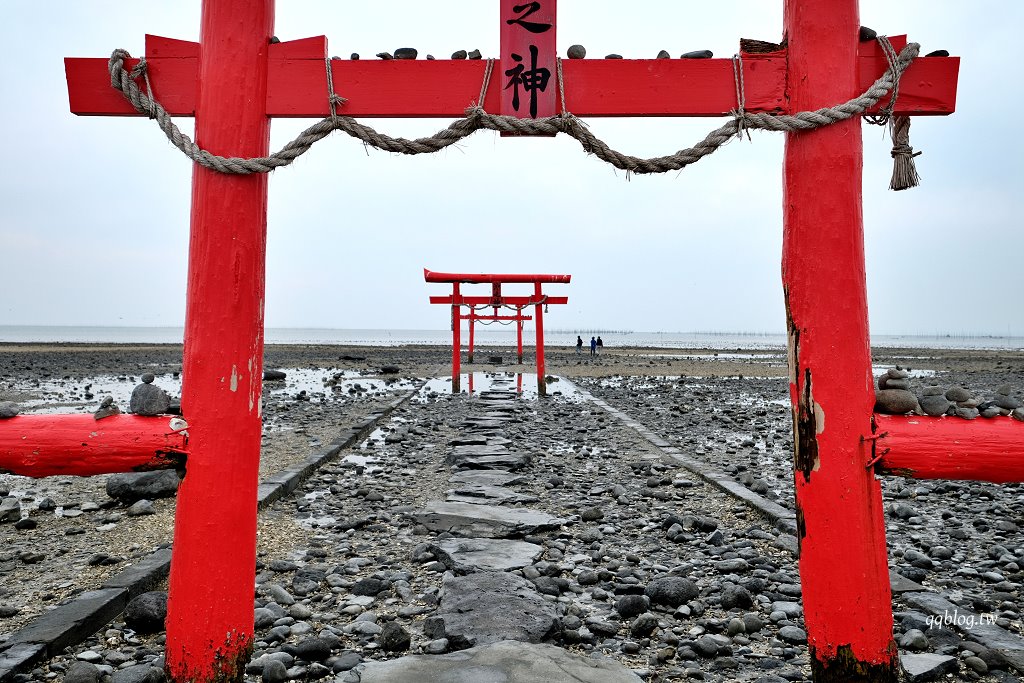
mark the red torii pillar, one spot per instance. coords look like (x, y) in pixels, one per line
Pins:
(234, 64)
(457, 299)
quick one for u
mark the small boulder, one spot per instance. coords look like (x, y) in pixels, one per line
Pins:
(149, 399)
(146, 613)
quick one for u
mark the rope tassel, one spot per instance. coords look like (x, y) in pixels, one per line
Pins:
(904, 172)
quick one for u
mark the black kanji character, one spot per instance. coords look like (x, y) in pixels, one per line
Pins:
(532, 80)
(527, 9)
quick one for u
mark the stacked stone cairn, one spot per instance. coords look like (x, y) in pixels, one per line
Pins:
(895, 397)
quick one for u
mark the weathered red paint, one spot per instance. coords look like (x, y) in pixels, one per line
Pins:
(526, 71)
(80, 445)
(950, 448)
(445, 88)
(847, 602)
(210, 602)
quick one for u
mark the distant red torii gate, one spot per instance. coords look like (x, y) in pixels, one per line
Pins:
(485, 318)
(497, 299)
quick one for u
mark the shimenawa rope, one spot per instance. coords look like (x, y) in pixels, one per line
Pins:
(476, 119)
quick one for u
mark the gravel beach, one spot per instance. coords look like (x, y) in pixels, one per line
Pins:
(617, 556)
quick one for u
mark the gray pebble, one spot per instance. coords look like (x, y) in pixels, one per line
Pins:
(8, 409)
(576, 52)
(934, 405)
(663, 54)
(697, 54)
(406, 53)
(475, 54)
(895, 401)
(792, 634)
(460, 54)
(958, 394)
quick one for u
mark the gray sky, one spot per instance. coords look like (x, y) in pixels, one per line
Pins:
(94, 211)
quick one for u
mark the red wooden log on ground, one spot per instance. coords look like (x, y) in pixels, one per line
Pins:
(210, 601)
(80, 445)
(843, 561)
(950, 448)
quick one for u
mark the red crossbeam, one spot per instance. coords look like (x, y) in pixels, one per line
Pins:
(478, 278)
(505, 300)
(477, 316)
(297, 86)
(49, 445)
(951, 448)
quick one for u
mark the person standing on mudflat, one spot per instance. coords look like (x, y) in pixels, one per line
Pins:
(593, 346)
(600, 344)
(579, 345)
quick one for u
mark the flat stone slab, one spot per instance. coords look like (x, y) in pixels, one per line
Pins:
(927, 666)
(487, 458)
(488, 607)
(482, 493)
(484, 521)
(484, 422)
(510, 463)
(507, 662)
(466, 555)
(480, 440)
(479, 449)
(901, 584)
(486, 478)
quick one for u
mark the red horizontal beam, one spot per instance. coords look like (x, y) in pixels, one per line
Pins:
(477, 316)
(477, 278)
(297, 85)
(951, 448)
(49, 445)
(505, 300)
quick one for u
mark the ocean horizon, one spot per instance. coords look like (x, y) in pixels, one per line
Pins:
(505, 336)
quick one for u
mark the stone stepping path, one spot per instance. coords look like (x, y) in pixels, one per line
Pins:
(499, 616)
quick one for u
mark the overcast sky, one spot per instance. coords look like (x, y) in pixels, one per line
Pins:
(94, 211)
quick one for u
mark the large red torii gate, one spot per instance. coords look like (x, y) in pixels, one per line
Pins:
(538, 299)
(847, 603)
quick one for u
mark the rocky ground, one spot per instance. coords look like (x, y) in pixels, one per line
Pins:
(608, 548)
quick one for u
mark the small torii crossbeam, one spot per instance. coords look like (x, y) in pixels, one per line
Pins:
(235, 80)
(538, 299)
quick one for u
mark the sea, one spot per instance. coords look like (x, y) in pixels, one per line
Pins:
(501, 337)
